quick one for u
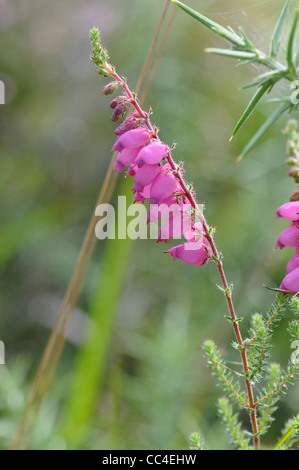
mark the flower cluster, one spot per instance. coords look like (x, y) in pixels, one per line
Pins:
(290, 237)
(155, 179)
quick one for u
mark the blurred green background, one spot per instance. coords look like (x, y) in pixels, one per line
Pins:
(131, 375)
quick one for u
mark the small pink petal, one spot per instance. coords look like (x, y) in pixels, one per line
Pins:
(294, 262)
(145, 176)
(174, 227)
(291, 281)
(152, 154)
(289, 211)
(141, 196)
(125, 158)
(163, 186)
(132, 139)
(191, 253)
(195, 232)
(288, 237)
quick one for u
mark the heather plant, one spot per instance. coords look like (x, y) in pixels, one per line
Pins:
(257, 387)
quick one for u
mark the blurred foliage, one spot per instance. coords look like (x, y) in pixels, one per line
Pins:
(152, 389)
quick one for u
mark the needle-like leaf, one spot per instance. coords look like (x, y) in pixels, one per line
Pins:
(275, 43)
(290, 48)
(227, 34)
(264, 128)
(251, 106)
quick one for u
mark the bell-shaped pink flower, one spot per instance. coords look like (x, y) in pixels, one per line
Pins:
(291, 281)
(125, 158)
(152, 154)
(141, 196)
(145, 176)
(191, 253)
(163, 186)
(161, 210)
(294, 262)
(174, 227)
(289, 237)
(132, 139)
(289, 211)
(195, 233)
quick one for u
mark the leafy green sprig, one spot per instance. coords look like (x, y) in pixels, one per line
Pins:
(243, 50)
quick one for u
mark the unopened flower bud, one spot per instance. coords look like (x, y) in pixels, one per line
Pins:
(115, 102)
(291, 161)
(118, 112)
(110, 88)
(294, 173)
(295, 196)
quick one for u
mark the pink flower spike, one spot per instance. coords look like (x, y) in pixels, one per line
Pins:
(163, 186)
(288, 237)
(132, 139)
(291, 281)
(289, 211)
(125, 158)
(152, 154)
(145, 176)
(191, 253)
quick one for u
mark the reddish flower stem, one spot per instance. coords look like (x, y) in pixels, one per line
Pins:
(227, 291)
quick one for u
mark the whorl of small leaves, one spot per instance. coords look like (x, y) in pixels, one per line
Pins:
(266, 410)
(278, 385)
(196, 442)
(259, 344)
(239, 437)
(223, 374)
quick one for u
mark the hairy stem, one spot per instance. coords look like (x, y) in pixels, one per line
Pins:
(208, 234)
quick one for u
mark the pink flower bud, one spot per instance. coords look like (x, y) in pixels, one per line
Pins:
(152, 153)
(145, 175)
(191, 253)
(163, 186)
(118, 112)
(288, 237)
(110, 88)
(126, 126)
(289, 211)
(291, 281)
(132, 139)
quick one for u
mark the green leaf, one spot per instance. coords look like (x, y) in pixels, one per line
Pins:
(232, 53)
(264, 128)
(275, 43)
(251, 106)
(227, 34)
(273, 75)
(290, 57)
